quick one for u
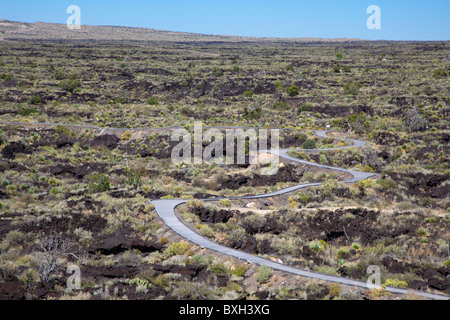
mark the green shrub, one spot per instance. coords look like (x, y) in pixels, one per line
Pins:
(225, 202)
(376, 294)
(6, 77)
(29, 276)
(55, 190)
(304, 107)
(14, 237)
(140, 282)
(300, 136)
(218, 269)
(309, 144)
(343, 253)
(352, 88)
(253, 223)
(60, 75)
(63, 130)
(264, 274)
(335, 289)
(281, 105)
(3, 139)
(219, 72)
(152, 101)
(278, 84)
(126, 136)
(327, 140)
(337, 68)
(239, 270)
(422, 232)
(396, 283)
(248, 94)
(304, 198)
(193, 291)
(339, 55)
(134, 178)
(99, 183)
(431, 220)
(195, 204)
(120, 100)
(197, 259)
(367, 169)
(207, 231)
(35, 100)
(315, 246)
(25, 112)
(293, 91)
(440, 73)
(177, 248)
(327, 270)
(70, 85)
(387, 184)
(252, 113)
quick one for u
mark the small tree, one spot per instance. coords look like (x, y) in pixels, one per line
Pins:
(53, 248)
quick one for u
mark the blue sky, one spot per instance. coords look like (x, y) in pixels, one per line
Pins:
(400, 19)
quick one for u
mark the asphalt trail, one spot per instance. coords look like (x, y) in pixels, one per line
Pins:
(166, 210)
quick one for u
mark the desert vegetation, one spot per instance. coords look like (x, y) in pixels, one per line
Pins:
(86, 189)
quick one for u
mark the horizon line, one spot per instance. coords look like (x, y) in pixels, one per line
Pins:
(229, 35)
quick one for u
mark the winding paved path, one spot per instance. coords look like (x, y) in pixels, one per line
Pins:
(166, 210)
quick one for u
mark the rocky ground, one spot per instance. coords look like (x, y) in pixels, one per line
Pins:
(88, 188)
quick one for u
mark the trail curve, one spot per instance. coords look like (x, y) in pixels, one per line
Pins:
(166, 211)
